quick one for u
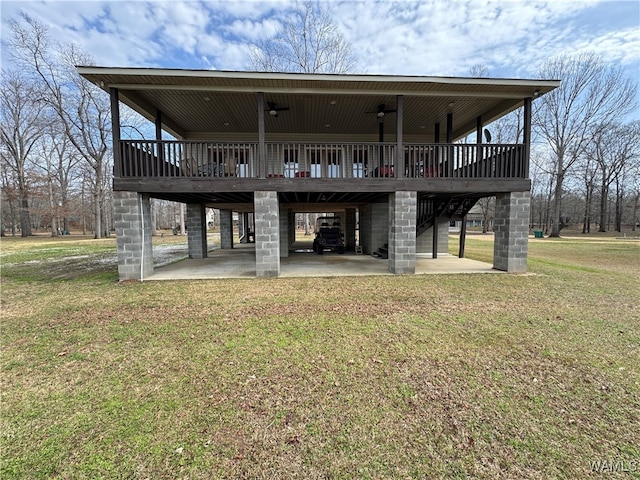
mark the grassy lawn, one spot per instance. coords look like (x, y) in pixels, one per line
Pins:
(443, 376)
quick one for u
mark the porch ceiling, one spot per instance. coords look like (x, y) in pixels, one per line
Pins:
(205, 104)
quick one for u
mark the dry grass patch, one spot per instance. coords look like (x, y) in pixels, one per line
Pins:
(448, 376)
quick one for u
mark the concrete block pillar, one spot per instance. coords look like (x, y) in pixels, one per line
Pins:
(424, 241)
(374, 226)
(511, 227)
(285, 230)
(226, 229)
(402, 234)
(132, 220)
(196, 230)
(379, 225)
(267, 223)
(349, 227)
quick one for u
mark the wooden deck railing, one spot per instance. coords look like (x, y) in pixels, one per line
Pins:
(142, 158)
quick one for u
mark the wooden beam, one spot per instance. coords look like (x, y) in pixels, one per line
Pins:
(434, 243)
(526, 133)
(487, 117)
(478, 143)
(147, 110)
(159, 135)
(463, 237)
(400, 166)
(158, 125)
(262, 160)
(188, 185)
(450, 140)
(115, 131)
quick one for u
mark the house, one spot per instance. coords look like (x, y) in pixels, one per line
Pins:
(379, 148)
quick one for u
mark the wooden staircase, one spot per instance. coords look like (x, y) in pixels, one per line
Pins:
(430, 209)
(382, 252)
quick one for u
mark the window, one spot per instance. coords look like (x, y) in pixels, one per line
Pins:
(360, 162)
(291, 166)
(325, 162)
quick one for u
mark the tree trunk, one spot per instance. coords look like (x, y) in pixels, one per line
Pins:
(307, 226)
(97, 201)
(97, 216)
(25, 221)
(52, 208)
(557, 193)
(586, 226)
(634, 216)
(619, 198)
(604, 194)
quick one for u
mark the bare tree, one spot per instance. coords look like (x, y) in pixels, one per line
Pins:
(59, 163)
(590, 94)
(612, 149)
(21, 126)
(309, 42)
(83, 110)
(634, 184)
(9, 199)
(589, 172)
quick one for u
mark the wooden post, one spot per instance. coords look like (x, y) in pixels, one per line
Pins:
(380, 147)
(115, 132)
(400, 164)
(436, 157)
(475, 173)
(262, 157)
(526, 136)
(158, 125)
(449, 143)
(434, 249)
(463, 237)
(160, 147)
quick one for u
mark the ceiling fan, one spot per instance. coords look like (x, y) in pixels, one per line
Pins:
(274, 109)
(382, 111)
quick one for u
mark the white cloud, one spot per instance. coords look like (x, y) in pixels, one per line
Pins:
(429, 37)
(254, 31)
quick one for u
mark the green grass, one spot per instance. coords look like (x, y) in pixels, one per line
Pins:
(443, 376)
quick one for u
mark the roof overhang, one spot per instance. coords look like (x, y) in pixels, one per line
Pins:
(196, 103)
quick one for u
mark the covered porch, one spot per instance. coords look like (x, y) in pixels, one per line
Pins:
(409, 154)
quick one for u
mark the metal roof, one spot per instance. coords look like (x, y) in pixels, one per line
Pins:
(197, 103)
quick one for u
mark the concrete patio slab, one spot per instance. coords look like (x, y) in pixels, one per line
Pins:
(239, 262)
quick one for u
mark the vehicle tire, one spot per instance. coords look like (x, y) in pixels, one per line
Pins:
(340, 250)
(320, 249)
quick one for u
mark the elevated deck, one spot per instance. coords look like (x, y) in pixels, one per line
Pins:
(214, 172)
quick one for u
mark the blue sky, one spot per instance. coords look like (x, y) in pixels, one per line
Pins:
(430, 37)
